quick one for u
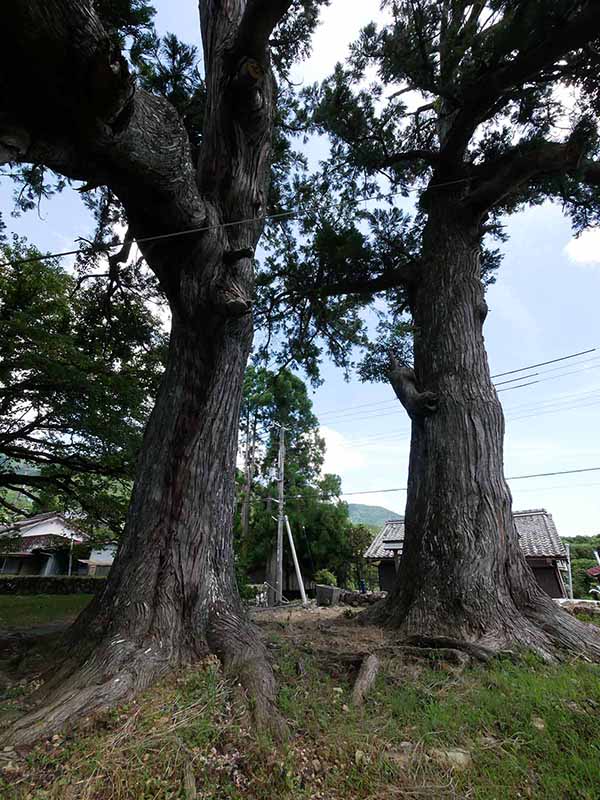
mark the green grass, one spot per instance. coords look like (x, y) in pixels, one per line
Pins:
(491, 712)
(24, 611)
(495, 714)
(591, 619)
(532, 731)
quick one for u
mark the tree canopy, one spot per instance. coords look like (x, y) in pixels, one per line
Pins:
(493, 104)
(77, 380)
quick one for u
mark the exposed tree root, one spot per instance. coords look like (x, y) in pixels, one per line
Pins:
(539, 625)
(111, 674)
(444, 645)
(365, 679)
(437, 654)
(95, 678)
(244, 658)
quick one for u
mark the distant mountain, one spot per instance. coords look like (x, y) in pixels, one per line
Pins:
(371, 515)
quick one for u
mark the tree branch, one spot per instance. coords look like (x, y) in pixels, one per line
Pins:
(21, 490)
(9, 506)
(404, 383)
(85, 119)
(50, 459)
(499, 178)
(12, 479)
(259, 20)
(591, 172)
(430, 156)
(535, 55)
(395, 279)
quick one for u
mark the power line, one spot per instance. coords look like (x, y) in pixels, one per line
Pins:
(350, 411)
(404, 435)
(562, 486)
(544, 363)
(368, 414)
(512, 478)
(205, 228)
(145, 239)
(549, 474)
(551, 378)
(574, 407)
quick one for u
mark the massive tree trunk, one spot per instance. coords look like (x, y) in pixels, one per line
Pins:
(462, 574)
(171, 595)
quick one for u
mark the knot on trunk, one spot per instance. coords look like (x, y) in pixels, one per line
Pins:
(231, 300)
(483, 310)
(231, 294)
(404, 382)
(233, 256)
(248, 86)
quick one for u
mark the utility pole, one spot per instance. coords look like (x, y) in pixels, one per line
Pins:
(71, 556)
(296, 564)
(249, 477)
(568, 548)
(280, 517)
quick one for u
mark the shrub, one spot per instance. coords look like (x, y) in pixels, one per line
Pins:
(325, 577)
(51, 584)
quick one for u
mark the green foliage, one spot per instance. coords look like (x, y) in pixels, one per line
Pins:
(271, 399)
(582, 558)
(466, 113)
(581, 580)
(583, 546)
(359, 538)
(325, 577)
(169, 68)
(319, 520)
(78, 380)
(126, 18)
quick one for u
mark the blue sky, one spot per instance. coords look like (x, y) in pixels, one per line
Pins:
(544, 305)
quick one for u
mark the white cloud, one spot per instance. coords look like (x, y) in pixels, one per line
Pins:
(367, 469)
(586, 248)
(338, 28)
(340, 454)
(505, 303)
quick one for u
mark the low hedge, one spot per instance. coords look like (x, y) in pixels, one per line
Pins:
(56, 584)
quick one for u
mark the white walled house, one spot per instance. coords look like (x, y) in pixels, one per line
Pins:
(99, 562)
(39, 545)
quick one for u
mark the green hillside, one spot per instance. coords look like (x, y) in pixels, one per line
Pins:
(370, 515)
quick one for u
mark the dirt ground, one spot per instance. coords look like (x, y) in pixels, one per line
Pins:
(329, 629)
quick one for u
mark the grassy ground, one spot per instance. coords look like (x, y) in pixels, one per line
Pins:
(39, 609)
(497, 732)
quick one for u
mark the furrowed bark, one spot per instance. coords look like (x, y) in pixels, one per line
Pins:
(171, 594)
(462, 575)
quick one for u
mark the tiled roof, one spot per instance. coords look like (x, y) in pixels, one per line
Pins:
(25, 523)
(23, 527)
(593, 572)
(392, 529)
(537, 535)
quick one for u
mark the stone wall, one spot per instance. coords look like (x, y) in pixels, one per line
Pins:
(358, 599)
